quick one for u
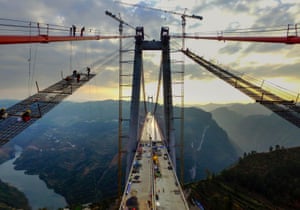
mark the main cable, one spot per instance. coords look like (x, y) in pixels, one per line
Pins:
(158, 88)
(143, 88)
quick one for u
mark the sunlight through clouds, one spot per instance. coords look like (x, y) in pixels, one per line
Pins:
(212, 91)
(279, 63)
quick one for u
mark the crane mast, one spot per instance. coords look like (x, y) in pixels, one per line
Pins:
(118, 19)
(120, 126)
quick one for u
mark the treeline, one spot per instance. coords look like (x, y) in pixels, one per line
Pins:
(271, 149)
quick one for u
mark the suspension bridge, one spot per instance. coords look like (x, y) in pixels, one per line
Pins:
(151, 181)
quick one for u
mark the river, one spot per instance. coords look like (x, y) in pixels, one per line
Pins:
(39, 196)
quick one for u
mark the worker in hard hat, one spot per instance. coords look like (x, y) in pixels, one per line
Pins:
(3, 113)
(26, 116)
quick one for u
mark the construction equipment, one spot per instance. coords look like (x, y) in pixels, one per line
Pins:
(119, 19)
(121, 118)
(183, 16)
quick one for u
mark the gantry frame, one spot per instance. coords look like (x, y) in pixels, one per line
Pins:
(164, 46)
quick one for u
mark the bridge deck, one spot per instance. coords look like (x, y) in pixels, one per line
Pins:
(277, 100)
(152, 182)
(39, 104)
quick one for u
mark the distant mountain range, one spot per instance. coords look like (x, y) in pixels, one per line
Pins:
(242, 109)
(253, 127)
(73, 148)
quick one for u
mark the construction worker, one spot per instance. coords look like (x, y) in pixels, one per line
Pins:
(82, 30)
(78, 77)
(74, 30)
(3, 114)
(74, 74)
(88, 69)
(26, 116)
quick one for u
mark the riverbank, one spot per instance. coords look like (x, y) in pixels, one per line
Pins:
(36, 191)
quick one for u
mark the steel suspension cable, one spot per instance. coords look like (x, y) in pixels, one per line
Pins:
(33, 64)
(143, 88)
(29, 66)
(158, 88)
(108, 58)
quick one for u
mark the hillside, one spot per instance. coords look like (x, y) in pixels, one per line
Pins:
(79, 146)
(12, 198)
(74, 147)
(78, 141)
(204, 140)
(258, 181)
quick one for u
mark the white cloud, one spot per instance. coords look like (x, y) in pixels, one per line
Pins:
(218, 15)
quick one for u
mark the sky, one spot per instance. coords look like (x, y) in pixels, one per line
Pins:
(22, 65)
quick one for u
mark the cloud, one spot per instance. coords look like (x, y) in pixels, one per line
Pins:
(48, 60)
(231, 48)
(275, 70)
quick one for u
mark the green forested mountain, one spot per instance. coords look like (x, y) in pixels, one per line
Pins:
(73, 148)
(258, 181)
(12, 198)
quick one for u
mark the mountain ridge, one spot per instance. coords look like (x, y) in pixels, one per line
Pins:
(268, 180)
(78, 141)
